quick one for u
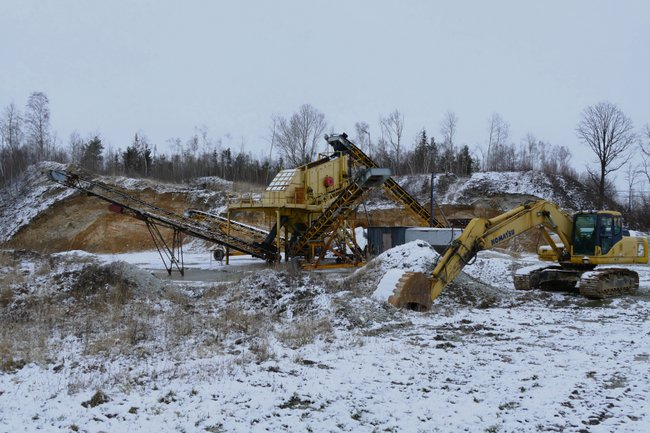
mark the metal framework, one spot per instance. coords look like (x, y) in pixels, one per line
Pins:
(340, 143)
(341, 208)
(172, 254)
(156, 217)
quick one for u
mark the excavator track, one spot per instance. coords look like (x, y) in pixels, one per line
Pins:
(604, 283)
(547, 278)
(597, 284)
(528, 281)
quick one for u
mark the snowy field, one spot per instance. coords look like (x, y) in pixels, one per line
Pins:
(278, 350)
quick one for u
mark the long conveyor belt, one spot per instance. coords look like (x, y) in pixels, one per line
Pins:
(222, 223)
(340, 143)
(234, 228)
(153, 215)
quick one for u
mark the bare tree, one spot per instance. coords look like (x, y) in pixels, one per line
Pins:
(499, 131)
(363, 136)
(448, 130)
(297, 138)
(631, 175)
(272, 144)
(392, 129)
(528, 152)
(563, 156)
(76, 147)
(609, 133)
(11, 127)
(11, 139)
(37, 120)
(645, 153)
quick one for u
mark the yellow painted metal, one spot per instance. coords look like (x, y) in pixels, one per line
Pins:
(629, 250)
(392, 188)
(343, 206)
(302, 189)
(481, 234)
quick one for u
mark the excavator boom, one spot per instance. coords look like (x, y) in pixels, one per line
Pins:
(415, 291)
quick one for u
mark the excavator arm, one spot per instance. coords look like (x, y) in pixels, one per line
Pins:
(416, 291)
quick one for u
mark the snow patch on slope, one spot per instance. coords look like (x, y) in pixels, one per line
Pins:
(31, 194)
(485, 185)
(492, 189)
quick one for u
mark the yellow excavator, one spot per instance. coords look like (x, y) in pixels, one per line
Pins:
(576, 244)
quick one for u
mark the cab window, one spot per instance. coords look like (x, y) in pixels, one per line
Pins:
(618, 226)
(584, 234)
(606, 233)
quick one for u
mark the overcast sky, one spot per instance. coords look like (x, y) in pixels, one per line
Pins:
(163, 67)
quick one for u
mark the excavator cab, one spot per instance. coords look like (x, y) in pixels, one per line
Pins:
(594, 233)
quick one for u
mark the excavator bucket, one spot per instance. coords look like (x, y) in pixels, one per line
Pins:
(413, 291)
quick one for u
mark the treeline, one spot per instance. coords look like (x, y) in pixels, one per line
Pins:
(427, 156)
(195, 158)
(27, 138)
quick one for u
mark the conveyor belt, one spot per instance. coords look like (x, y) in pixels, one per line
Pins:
(151, 214)
(340, 143)
(221, 223)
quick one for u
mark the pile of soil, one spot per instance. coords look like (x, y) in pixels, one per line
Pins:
(84, 223)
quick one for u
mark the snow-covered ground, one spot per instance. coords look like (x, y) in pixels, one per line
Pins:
(279, 350)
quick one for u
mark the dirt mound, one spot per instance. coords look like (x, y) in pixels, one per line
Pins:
(489, 193)
(30, 195)
(85, 223)
(41, 215)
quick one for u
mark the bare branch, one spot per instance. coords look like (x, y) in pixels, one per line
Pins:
(610, 135)
(392, 128)
(298, 136)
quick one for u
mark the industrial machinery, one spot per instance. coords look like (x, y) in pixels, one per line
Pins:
(156, 218)
(358, 158)
(315, 204)
(244, 232)
(586, 240)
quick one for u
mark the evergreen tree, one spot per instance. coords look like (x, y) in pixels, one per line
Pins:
(130, 159)
(91, 157)
(465, 162)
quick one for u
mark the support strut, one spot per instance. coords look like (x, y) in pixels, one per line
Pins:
(169, 254)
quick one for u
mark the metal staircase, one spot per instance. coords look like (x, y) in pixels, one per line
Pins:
(341, 207)
(155, 217)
